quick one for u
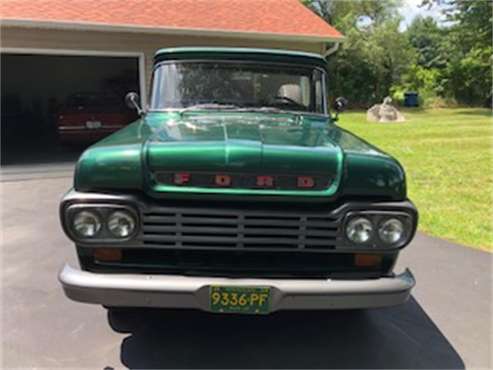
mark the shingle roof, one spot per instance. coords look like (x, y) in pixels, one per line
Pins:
(274, 17)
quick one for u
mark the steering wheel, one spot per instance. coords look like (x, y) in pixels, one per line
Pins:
(289, 100)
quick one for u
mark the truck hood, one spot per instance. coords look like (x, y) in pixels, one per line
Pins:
(140, 156)
(240, 144)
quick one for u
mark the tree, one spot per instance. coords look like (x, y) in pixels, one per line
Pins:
(346, 15)
(471, 20)
(468, 78)
(429, 41)
(375, 54)
(377, 59)
(468, 75)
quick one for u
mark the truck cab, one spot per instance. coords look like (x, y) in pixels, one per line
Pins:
(236, 192)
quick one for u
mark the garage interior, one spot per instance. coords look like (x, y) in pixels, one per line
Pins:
(34, 91)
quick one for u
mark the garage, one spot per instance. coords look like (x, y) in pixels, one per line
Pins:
(53, 106)
(56, 52)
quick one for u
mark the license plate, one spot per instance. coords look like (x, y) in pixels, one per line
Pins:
(248, 300)
(93, 124)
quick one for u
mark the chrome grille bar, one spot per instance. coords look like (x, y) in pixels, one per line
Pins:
(245, 230)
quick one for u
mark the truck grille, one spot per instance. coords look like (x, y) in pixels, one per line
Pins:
(280, 241)
(240, 230)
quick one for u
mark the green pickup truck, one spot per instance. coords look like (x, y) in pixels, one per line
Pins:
(236, 192)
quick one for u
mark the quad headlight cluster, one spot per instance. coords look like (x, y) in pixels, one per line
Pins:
(101, 223)
(386, 230)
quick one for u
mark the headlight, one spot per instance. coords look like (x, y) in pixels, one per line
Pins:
(391, 231)
(86, 224)
(359, 230)
(121, 224)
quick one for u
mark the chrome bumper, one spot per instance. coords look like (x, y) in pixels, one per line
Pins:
(174, 291)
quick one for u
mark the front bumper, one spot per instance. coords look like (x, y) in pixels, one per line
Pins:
(175, 291)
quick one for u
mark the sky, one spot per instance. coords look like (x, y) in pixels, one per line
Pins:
(410, 9)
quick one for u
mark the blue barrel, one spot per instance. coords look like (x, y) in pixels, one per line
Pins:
(411, 99)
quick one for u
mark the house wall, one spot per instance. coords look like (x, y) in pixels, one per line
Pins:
(37, 38)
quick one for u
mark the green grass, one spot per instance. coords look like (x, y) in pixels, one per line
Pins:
(447, 154)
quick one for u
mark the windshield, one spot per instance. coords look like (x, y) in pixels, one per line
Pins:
(238, 85)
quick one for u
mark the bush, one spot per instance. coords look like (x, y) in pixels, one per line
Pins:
(397, 94)
(469, 78)
(424, 81)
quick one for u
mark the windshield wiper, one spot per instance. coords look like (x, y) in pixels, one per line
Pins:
(264, 109)
(236, 108)
(208, 106)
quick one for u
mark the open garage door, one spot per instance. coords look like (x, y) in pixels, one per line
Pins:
(54, 106)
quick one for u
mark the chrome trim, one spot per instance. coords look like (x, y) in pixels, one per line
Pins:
(176, 291)
(68, 128)
(82, 127)
(103, 211)
(376, 218)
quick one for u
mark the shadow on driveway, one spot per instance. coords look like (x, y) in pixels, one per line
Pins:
(397, 337)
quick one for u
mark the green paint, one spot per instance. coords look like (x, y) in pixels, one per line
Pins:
(165, 52)
(126, 159)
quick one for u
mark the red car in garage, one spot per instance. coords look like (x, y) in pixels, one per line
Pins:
(88, 117)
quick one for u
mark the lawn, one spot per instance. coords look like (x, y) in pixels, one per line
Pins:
(447, 154)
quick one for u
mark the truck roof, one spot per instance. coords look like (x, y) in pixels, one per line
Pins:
(231, 52)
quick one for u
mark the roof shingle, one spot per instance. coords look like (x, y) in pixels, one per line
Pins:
(282, 17)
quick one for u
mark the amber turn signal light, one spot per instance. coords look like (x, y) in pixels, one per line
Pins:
(367, 260)
(108, 254)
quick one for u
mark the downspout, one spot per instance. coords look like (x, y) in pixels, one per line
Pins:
(331, 50)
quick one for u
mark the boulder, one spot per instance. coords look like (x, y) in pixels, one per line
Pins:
(384, 112)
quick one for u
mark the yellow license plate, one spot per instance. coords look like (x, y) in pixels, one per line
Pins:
(233, 299)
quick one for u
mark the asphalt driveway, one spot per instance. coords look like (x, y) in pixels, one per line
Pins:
(446, 324)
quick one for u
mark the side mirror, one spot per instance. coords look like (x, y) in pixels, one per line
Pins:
(132, 101)
(339, 106)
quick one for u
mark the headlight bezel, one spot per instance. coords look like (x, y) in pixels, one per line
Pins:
(104, 211)
(378, 218)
